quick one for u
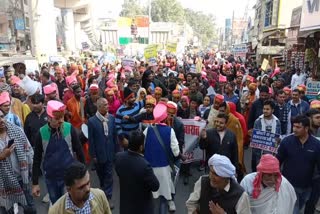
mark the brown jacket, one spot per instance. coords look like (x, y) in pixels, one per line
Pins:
(99, 204)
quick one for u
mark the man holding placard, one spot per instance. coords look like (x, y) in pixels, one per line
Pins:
(269, 123)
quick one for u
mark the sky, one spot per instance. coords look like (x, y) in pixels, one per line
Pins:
(221, 9)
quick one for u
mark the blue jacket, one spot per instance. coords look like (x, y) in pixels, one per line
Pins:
(299, 160)
(100, 146)
(154, 152)
(300, 109)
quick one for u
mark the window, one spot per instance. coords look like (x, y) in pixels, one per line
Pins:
(268, 16)
(27, 22)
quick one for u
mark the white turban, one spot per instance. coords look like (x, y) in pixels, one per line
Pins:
(222, 166)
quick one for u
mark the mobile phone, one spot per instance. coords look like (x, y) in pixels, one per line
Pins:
(10, 142)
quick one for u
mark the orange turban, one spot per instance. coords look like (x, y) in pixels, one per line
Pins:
(150, 100)
(253, 86)
(315, 104)
(158, 90)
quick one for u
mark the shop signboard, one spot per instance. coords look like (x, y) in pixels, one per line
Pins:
(310, 15)
(313, 88)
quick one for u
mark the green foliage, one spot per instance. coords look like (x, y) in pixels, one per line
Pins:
(131, 8)
(202, 24)
(167, 11)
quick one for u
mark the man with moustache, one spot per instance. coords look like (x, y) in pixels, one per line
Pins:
(101, 136)
(36, 119)
(299, 155)
(269, 191)
(80, 198)
(130, 108)
(56, 142)
(219, 191)
(220, 140)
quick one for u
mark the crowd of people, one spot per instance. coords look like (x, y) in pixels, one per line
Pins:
(57, 121)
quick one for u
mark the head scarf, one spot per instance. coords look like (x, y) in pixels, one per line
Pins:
(268, 164)
(222, 166)
(139, 91)
(5, 87)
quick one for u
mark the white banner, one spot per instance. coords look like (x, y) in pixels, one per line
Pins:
(310, 15)
(192, 130)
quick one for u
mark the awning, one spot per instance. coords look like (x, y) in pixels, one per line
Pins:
(270, 50)
(305, 34)
(269, 33)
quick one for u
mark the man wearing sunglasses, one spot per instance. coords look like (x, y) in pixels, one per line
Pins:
(57, 146)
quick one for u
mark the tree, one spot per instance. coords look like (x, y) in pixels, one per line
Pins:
(202, 24)
(131, 8)
(167, 11)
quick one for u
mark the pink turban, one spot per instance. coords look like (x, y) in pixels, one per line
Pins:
(71, 79)
(48, 89)
(268, 164)
(53, 107)
(160, 112)
(4, 98)
(15, 80)
(222, 78)
(186, 98)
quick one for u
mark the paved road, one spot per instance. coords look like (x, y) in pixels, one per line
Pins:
(182, 191)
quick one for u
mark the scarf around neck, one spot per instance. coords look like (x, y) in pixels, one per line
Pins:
(104, 120)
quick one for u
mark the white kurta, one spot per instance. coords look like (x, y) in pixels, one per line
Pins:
(270, 201)
(163, 174)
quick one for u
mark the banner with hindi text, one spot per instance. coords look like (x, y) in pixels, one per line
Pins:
(192, 130)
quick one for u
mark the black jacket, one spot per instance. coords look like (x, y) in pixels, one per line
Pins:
(137, 181)
(33, 124)
(255, 112)
(228, 146)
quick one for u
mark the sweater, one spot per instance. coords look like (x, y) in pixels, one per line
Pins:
(299, 160)
(99, 204)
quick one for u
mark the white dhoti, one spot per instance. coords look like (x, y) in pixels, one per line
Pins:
(166, 187)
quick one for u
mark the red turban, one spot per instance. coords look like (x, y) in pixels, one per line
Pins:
(268, 164)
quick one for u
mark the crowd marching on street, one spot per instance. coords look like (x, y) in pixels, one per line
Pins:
(128, 119)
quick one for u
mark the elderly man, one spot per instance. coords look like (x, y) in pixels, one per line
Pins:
(269, 191)
(15, 167)
(102, 135)
(219, 192)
